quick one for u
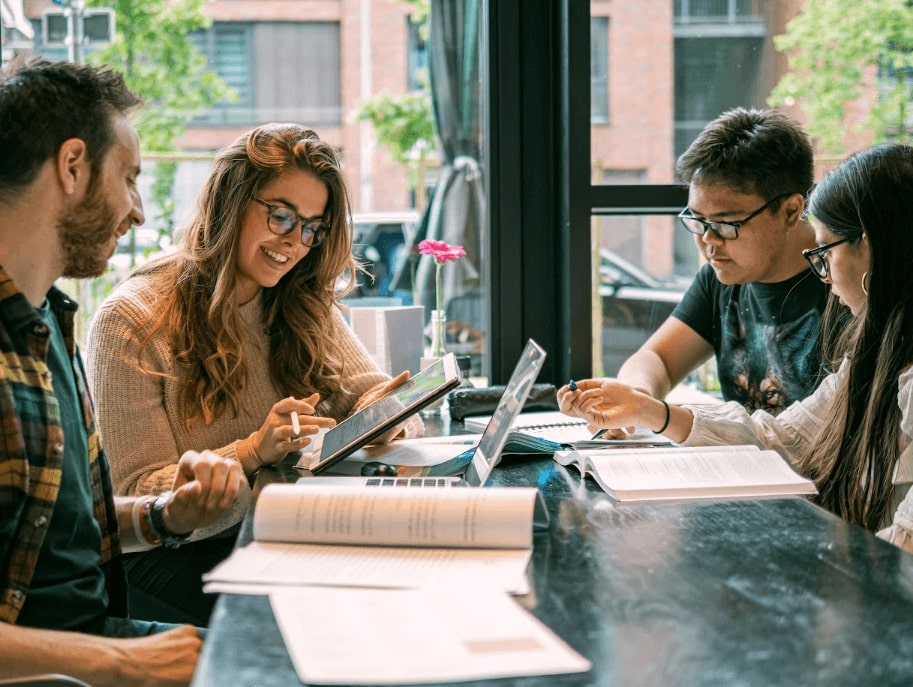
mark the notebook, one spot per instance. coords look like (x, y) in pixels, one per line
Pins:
(477, 463)
(551, 430)
(370, 422)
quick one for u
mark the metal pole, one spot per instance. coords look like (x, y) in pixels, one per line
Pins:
(73, 13)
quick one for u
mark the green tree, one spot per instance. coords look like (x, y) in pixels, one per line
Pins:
(404, 126)
(835, 49)
(153, 50)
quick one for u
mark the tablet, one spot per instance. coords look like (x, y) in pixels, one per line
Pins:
(370, 422)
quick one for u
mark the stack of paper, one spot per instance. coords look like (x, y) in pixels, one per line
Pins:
(352, 571)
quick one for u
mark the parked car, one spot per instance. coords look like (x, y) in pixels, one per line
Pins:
(634, 304)
(381, 244)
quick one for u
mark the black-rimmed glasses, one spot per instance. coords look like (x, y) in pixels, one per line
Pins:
(282, 221)
(725, 230)
(817, 257)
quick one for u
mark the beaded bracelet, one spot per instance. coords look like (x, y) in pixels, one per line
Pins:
(141, 529)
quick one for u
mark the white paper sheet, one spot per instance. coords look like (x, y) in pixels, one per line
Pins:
(367, 636)
(264, 563)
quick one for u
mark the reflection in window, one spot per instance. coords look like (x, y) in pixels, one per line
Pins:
(282, 71)
(417, 58)
(599, 70)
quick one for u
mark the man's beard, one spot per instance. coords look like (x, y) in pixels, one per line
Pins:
(85, 233)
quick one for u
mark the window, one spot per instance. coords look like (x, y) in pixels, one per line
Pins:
(281, 71)
(417, 56)
(226, 47)
(599, 70)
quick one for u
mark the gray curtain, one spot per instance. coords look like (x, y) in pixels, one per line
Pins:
(456, 208)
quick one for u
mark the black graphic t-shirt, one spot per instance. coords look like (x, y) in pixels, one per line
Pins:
(765, 336)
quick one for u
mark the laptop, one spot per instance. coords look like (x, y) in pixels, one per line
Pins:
(360, 428)
(472, 467)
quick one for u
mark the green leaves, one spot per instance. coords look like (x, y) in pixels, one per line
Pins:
(402, 123)
(836, 51)
(160, 63)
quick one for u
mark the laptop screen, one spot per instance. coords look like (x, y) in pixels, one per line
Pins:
(488, 452)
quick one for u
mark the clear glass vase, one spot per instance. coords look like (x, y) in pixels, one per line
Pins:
(435, 351)
(438, 334)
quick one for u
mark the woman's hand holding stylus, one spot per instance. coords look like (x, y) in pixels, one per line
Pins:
(288, 427)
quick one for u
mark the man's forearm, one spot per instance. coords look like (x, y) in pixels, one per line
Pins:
(30, 651)
(646, 372)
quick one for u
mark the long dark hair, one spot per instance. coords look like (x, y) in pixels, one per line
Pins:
(854, 455)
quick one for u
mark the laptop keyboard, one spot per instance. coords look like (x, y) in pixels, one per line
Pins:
(412, 482)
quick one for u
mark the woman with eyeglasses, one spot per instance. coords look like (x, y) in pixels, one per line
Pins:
(854, 435)
(235, 343)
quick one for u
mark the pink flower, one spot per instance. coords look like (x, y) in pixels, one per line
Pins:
(441, 251)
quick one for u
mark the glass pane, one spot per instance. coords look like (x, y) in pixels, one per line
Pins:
(638, 287)
(284, 62)
(674, 69)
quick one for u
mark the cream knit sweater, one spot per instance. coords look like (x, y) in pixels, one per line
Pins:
(141, 429)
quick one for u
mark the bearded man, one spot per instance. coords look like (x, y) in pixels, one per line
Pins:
(68, 190)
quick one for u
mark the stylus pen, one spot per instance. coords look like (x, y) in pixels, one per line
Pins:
(296, 426)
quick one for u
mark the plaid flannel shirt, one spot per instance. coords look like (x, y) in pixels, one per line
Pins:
(31, 449)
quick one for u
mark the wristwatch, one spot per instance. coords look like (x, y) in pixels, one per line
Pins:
(159, 528)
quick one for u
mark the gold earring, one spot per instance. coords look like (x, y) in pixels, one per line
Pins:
(864, 289)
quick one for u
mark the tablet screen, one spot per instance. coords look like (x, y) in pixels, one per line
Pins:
(372, 421)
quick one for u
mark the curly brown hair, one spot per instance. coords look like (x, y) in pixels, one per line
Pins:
(201, 312)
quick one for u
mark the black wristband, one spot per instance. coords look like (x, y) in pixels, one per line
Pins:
(159, 528)
(668, 417)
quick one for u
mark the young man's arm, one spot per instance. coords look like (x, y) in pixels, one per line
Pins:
(665, 359)
(168, 658)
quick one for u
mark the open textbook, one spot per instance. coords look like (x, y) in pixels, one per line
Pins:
(384, 538)
(700, 472)
(551, 430)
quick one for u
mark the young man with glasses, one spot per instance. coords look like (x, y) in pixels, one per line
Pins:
(754, 304)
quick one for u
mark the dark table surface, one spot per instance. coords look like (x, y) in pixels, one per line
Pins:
(765, 592)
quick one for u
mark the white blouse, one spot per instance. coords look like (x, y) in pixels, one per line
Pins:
(792, 432)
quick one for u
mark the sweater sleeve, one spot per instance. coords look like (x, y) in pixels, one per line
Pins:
(129, 400)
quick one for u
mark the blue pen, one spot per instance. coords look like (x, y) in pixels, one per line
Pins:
(572, 385)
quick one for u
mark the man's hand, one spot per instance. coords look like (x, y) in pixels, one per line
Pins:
(605, 404)
(166, 658)
(205, 486)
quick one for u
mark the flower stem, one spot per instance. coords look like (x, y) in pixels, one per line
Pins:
(439, 320)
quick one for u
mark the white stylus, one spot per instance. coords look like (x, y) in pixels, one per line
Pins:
(296, 426)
